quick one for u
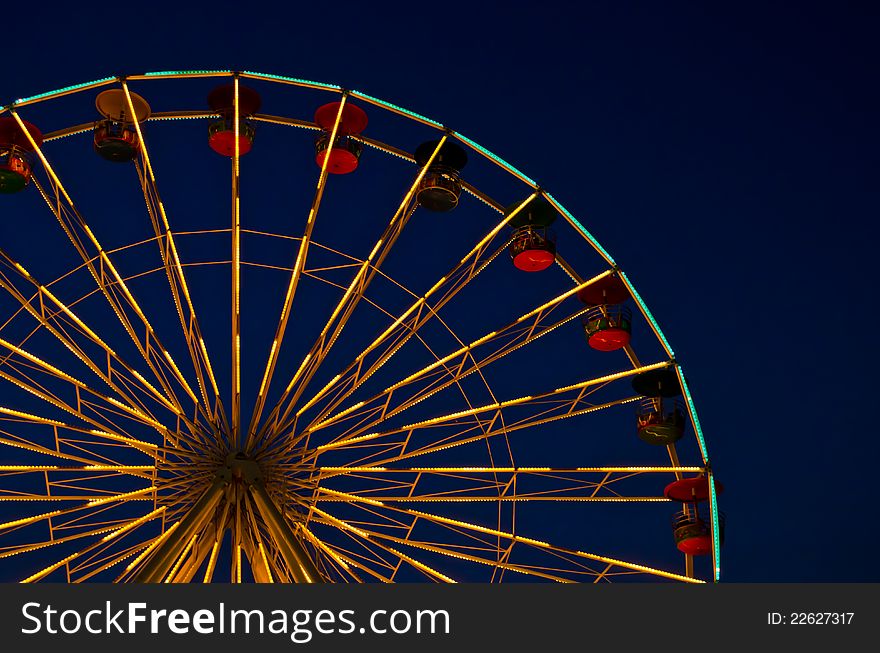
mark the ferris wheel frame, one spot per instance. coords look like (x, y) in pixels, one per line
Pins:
(206, 397)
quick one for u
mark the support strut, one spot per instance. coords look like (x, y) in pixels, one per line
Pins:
(159, 564)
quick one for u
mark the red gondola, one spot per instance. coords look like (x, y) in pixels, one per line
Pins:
(16, 153)
(533, 247)
(221, 133)
(345, 151)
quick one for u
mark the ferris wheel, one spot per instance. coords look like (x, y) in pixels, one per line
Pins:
(259, 328)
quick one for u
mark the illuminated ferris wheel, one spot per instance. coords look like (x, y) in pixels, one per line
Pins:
(374, 351)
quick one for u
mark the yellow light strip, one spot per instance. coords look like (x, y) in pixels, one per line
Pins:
(42, 450)
(452, 554)
(449, 357)
(265, 562)
(42, 363)
(127, 440)
(161, 538)
(266, 372)
(212, 561)
(321, 545)
(349, 497)
(102, 254)
(30, 520)
(488, 237)
(86, 468)
(143, 520)
(158, 395)
(340, 443)
(420, 565)
(495, 499)
(565, 295)
(613, 377)
(208, 365)
(48, 570)
(76, 319)
(137, 413)
(120, 497)
(182, 281)
(27, 548)
(341, 524)
(182, 557)
(183, 382)
(497, 405)
(498, 470)
(30, 417)
(236, 272)
(137, 127)
(42, 157)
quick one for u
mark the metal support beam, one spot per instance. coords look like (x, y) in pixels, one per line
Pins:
(297, 559)
(159, 564)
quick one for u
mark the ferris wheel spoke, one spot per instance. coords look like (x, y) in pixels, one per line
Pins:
(363, 557)
(113, 533)
(460, 497)
(19, 442)
(61, 512)
(403, 328)
(488, 484)
(236, 271)
(174, 271)
(73, 224)
(492, 412)
(116, 368)
(464, 437)
(529, 542)
(102, 430)
(523, 331)
(295, 275)
(133, 470)
(103, 565)
(352, 295)
(340, 560)
(110, 529)
(77, 387)
(375, 538)
(148, 349)
(76, 411)
(379, 542)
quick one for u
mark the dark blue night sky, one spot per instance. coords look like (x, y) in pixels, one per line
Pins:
(725, 156)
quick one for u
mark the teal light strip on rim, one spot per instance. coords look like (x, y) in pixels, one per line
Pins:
(497, 159)
(583, 229)
(716, 532)
(161, 73)
(394, 107)
(647, 312)
(693, 411)
(66, 89)
(716, 539)
(295, 80)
